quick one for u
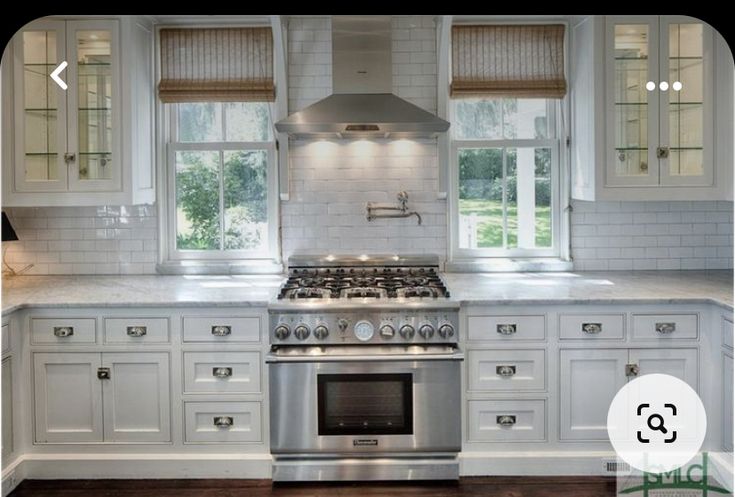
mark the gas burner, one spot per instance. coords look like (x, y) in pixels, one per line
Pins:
(362, 281)
(307, 293)
(417, 291)
(363, 292)
(311, 281)
(413, 280)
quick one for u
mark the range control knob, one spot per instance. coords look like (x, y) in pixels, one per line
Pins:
(282, 332)
(387, 331)
(426, 331)
(321, 332)
(446, 330)
(301, 332)
(407, 331)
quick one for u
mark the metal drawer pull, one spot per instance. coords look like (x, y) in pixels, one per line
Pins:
(592, 328)
(137, 331)
(223, 421)
(103, 374)
(665, 328)
(221, 330)
(63, 331)
(505, 371)
(506, 420)
(632, 370)
(221, 372)
(506, 329)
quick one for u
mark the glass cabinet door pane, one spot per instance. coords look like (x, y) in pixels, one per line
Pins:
(631, 99)
(686, 94)
(40, 106)
(94, 66)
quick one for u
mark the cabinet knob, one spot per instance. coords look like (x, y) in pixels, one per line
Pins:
(632, 370)
(221, 372)
(137, 331)
(221, 330)
(506, 420)
(507, 329)
(662, 152)
(592, 328)
(63, 331)
(665, 328)
(505, 371)
(103, 374)
(223, 421)
(68, 158)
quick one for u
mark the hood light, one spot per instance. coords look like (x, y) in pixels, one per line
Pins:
(362, 127)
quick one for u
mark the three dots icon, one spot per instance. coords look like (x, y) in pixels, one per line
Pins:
(664, 85)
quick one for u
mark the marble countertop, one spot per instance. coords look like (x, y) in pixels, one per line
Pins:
(615, 287)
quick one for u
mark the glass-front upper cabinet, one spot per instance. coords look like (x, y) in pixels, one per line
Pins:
(69, 139)
(659, 98)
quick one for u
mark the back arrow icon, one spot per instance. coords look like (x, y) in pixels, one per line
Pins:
(56, 78)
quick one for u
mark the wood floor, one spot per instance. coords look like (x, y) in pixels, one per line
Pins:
(468, 487)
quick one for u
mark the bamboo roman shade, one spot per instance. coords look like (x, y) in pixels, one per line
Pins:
(216, 64)
(520, 61)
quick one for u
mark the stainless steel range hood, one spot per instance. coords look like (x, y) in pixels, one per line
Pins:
(362, 103)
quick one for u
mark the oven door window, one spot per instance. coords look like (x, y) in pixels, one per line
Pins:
(365, 404)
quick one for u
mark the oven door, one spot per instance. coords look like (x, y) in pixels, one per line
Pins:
(369, 406)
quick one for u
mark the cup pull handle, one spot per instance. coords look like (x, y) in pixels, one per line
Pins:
(592, 328)
(506, 420)
(221, 372)
(137, 331)
(507, 328)
(223, 421)
(63, 331)
(665, 328)
(506, 371)
(221, 330)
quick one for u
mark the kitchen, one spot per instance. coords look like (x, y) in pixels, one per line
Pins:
(359, 248)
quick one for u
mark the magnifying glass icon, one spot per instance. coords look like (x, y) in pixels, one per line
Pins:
(659, 426)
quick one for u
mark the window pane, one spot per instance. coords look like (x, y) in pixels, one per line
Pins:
(200, 122)
(480, 197)
(246, 188)
(529, 197)
(247, 121)
(197, 201)
(542, 195)
(494, 119)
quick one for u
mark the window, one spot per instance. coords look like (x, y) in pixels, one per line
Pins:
(506, 158)
(220, 180)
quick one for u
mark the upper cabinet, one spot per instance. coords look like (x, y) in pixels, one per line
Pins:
(88, 144)
(652, 110)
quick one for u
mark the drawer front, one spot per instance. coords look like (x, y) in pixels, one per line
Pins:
(63, 331)
(665, 326)
(507, 420)
(727, 337)
(130, 331)
(222, 329)
(592, 327)
(506, 370)
(222, 422)
(506, 327)
(5, 338)
(222, 372)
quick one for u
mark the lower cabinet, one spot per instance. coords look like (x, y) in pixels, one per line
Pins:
(590, 378)
(77, 394)
(727, 400)
(7, 407)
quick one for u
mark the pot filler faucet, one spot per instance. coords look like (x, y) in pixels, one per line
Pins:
(374, 211)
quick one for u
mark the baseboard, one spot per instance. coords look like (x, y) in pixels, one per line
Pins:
(567, 463)
(12, 475)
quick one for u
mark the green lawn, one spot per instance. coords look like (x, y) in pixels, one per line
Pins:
(490, 232)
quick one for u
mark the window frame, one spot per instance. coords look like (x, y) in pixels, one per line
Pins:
(171, 254)
(554, 113)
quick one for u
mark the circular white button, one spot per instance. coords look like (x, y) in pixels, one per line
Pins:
(650, 86)
(656, 423)
(663, 85)
(676, 86)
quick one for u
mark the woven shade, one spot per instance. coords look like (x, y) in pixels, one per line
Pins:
(521, 61)
(216, 64)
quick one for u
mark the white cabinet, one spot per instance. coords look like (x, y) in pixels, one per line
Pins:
(90, 144)
(727, 400)
(591, 378)
(76, 394)
(656, 80)
(7, 408)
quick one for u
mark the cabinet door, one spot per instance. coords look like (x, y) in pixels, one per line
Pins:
(7, 408)
(67, 397)
(94, 105)
(727, 394)
(631, 54)
(679, 363)
(589, 380)
(137, 404)
(40, 108)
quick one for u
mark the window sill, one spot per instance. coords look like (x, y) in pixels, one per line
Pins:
(504, 265)
(254, 266)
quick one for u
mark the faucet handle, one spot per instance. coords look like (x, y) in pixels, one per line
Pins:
(403, 197)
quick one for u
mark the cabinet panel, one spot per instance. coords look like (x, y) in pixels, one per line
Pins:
(592, 326)
(506, 328)
(507, 420)
(7, 408)
(506, 370)
(727, 399)
(67, 397)
(589, 380)
(665, 326)
(5, 338)
(222, 422)
(222, 329)
(727, 332)
(133, 331)
(680, 363)
(137, 405)
(222, 372)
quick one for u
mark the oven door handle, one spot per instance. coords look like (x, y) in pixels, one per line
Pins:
(274, 359)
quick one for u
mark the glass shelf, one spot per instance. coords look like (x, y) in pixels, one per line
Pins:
(95, 153)
(631, 58)
(41, 153)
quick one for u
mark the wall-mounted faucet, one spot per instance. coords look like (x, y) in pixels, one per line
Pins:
(400, 210)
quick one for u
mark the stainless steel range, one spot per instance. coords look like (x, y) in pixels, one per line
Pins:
(364, 371)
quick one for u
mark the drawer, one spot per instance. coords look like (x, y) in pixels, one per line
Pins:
(504, 370)
(592, 326)
(507, 420)
(5, 338)
(222, 329)
(221, 372)
(506, 327)
(63, 331)
(727, 337)
(132, 331)
(665, 326)
(222, 422)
